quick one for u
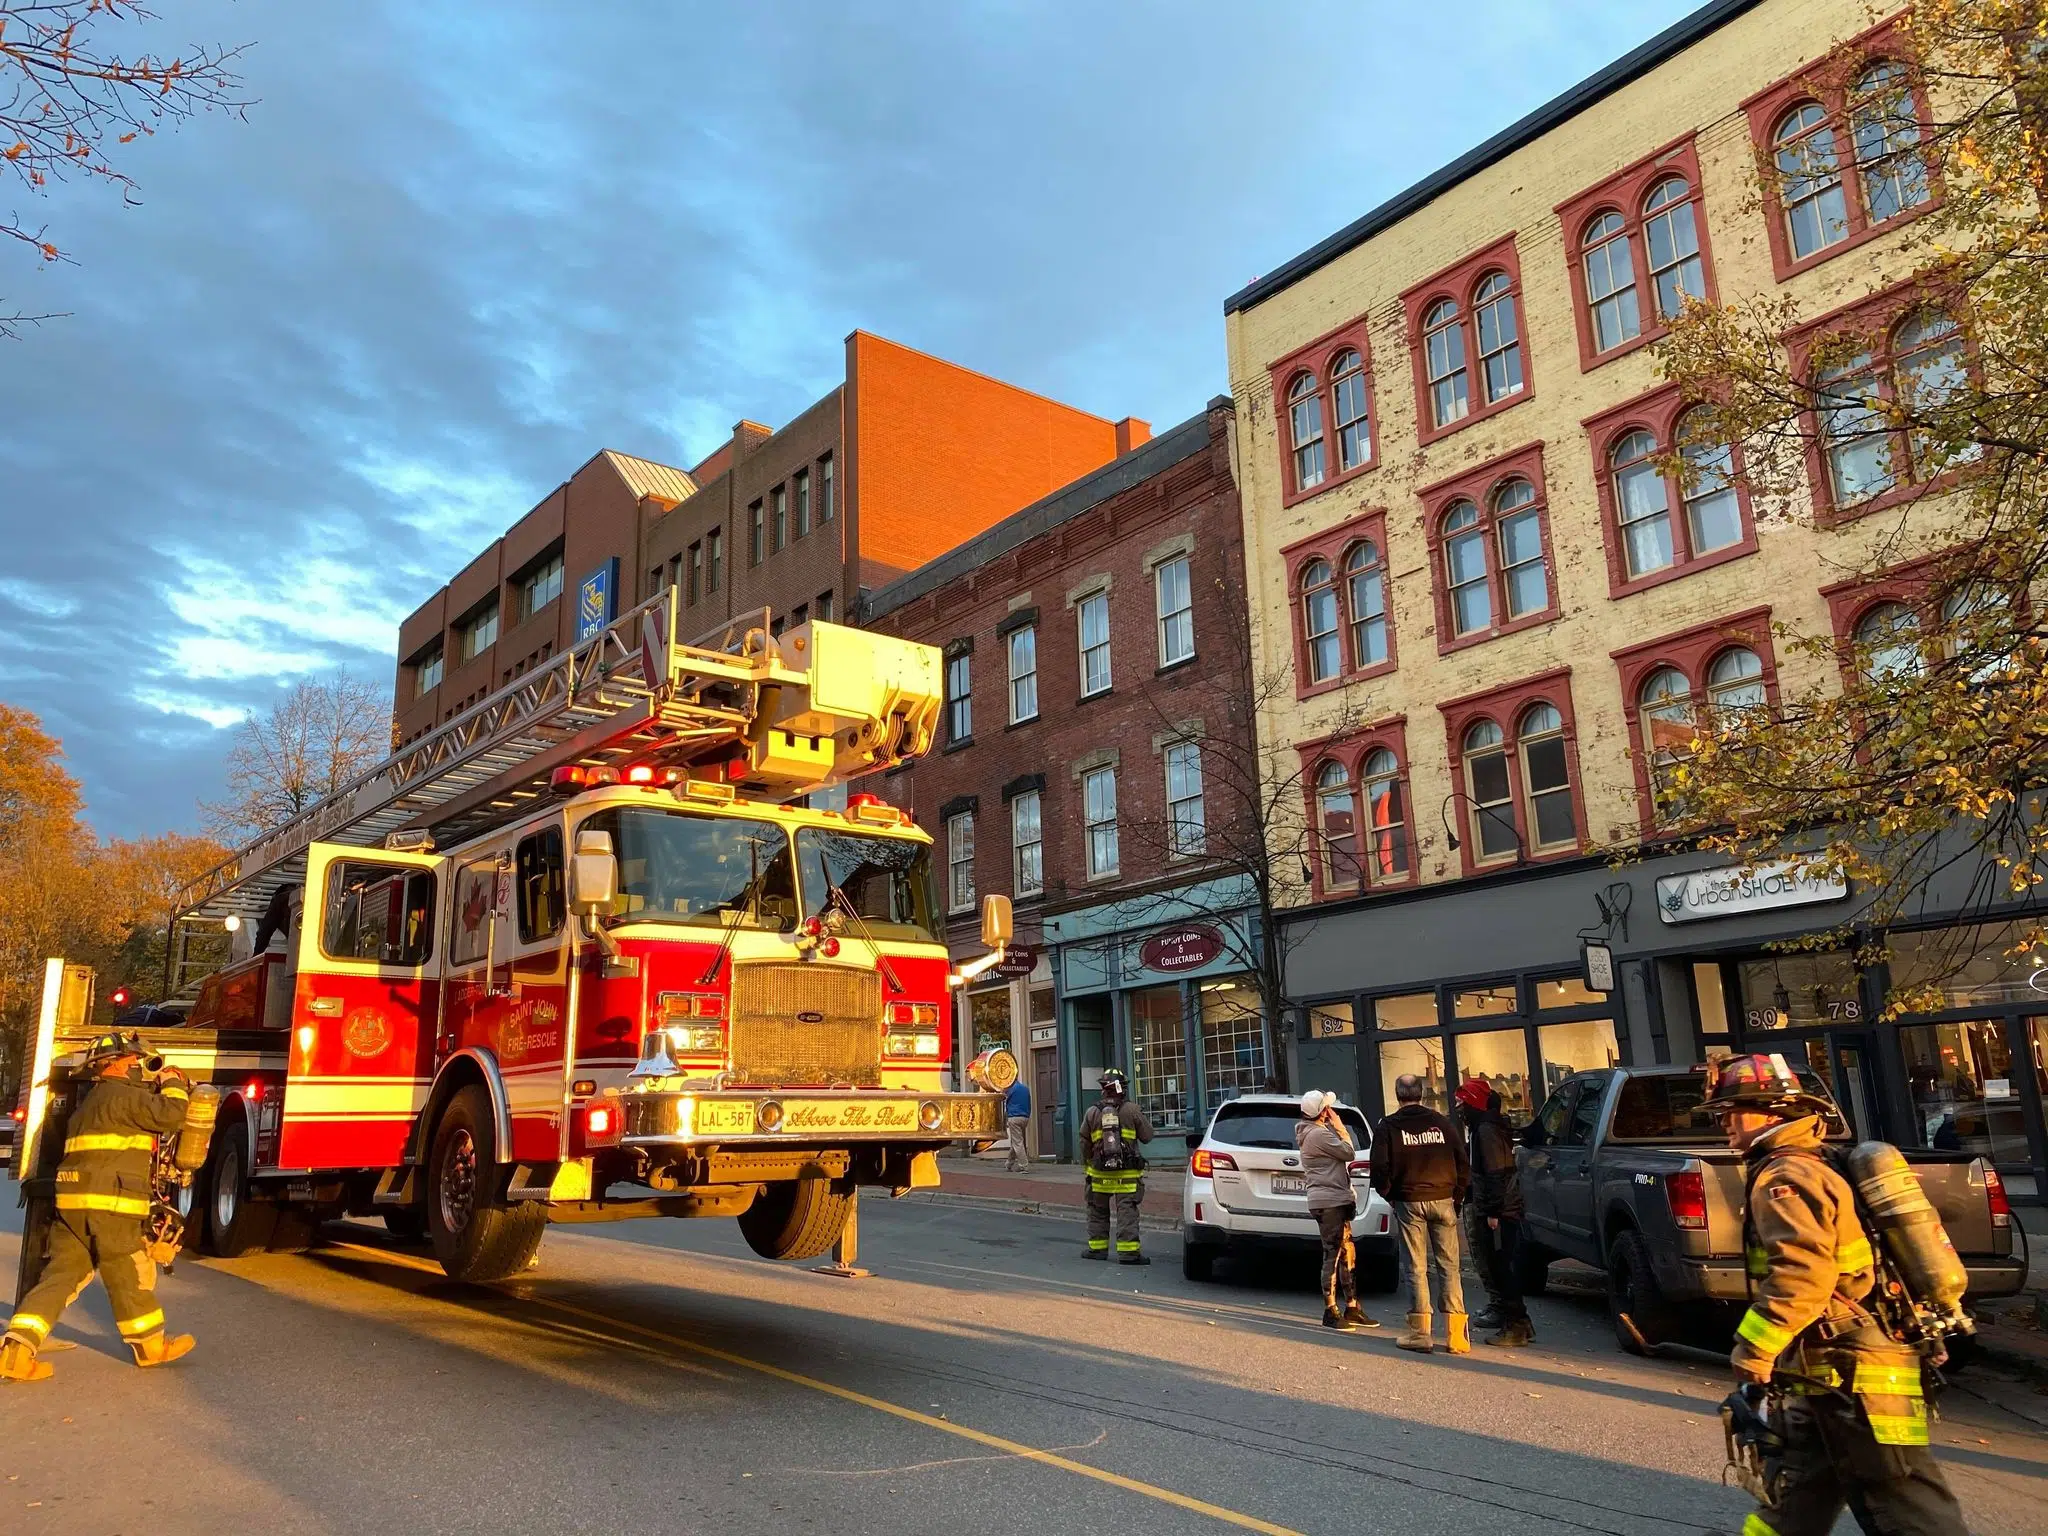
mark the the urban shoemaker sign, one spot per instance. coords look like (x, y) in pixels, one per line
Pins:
(1732, 892)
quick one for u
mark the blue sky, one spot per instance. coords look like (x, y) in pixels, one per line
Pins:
(458, 248)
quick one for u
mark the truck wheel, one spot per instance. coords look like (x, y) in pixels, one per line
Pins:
(1634, 1297)
(295, 1230)
(235, 1224)
(1197, 1263)
(477, 1236)
(1532, 1268)
(407, 1223)
(799, 1219)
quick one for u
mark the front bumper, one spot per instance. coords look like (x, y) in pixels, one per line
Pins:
(805, 1116)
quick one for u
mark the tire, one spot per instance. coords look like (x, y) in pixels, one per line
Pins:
(407, 1223)
(295, 1231)
(235, 1224)
(1532, 1269)
(1197, 1263)
(478, 1237)
(799, 1219)
(1632, 1289)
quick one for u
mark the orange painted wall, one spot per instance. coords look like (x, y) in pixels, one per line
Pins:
(943, 452)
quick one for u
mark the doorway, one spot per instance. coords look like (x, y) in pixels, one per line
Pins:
(1045, 1096)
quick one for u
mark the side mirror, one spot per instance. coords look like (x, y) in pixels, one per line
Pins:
(593, 875)
(998, 923)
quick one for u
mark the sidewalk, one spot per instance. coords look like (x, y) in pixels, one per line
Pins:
(1056, 1186)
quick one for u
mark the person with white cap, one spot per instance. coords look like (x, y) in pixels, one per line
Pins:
(1327, 1153)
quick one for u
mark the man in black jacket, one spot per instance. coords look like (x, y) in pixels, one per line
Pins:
(1493, 1216)
(1419, 1167)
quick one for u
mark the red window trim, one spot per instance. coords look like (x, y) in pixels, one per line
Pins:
(1828, 81)
(1658, 413)
(1875, 316)
(1477, 485)
(1457, 282)
(1350, 749)
(1623, 192)
(1691, 651)
(1918, 584)
(1332, 544)
(1505, 706)
(1315, 359)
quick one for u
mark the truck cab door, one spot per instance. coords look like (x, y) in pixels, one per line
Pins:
(1538, 1159)
(364, 1007)
(1572, 1208)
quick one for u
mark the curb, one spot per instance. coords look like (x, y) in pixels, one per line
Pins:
(1057, 1210)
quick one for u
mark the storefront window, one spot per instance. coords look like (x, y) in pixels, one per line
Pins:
(989, 1013)
(1569, 1048)
(1565, 992)
(1233, 1041)
(1501, 1057)
(1960, 1077)
(1041, 1005)
(1328, 1021)
(1793, 991)
(1485, 1002)
(1159, 1055)
(1411, 1010)
(1425, 1059)
(1712, 998)
(1969, 967)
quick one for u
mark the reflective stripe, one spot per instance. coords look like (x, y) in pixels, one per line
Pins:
(1757, 1262)
(28, 1322)
(1763, 1333)
(120, 1205)
(135, 1327)
(1130, 1133)
(109, 1143)
(1124, 1247)
(1113, 1184)
(1099, 1244)
(173, 1093)
(1853, 1255)
(1756, 1525)
(1899, 1428)
(1887, 1380)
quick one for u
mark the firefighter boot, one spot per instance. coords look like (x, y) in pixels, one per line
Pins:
(18, 1362)
(1514, 1334)
(161, 1349)
(1417, 1336)
(1458, 1333)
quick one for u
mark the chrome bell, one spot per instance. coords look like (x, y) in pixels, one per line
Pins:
(655, 1060)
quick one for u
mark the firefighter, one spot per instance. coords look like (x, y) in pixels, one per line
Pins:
(1849, 1415)
(1110, 1134)
(103, 1199)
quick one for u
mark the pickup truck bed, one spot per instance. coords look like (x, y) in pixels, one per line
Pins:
(1622, 1172)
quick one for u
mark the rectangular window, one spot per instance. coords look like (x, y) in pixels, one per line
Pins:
(779, 528)
(675, 571)
(1027, 843)
(540, 588)
(480, 633)
(1187, 831)
(1159, 1055)
(755, 525)
(959, 697)
(539, 872)
(960, 861)
(822, 606)
(696, 573)
(1098, 803)
(714, 552)
(801, 614)
(383, 913)
(1176, 611)
(427, 675)
(1024, 674)
(827, 492)
(803, 502)
(1094, 622)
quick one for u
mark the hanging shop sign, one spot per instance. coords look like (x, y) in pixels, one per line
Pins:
(1186, 948)
(1734, 892)
(1017, 962)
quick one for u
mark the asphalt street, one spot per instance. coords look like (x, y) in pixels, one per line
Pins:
(656, 1377)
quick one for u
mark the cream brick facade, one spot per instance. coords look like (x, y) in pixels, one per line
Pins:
(1698, 91)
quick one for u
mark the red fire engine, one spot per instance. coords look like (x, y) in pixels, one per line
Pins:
(583, 953)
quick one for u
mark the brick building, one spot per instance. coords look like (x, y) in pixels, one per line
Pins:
(1090, 673)
(1460, 531)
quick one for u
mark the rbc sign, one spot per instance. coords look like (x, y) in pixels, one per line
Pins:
(597, 600)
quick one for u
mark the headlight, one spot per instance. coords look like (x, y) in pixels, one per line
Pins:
(929, 1115)
(905, 1044)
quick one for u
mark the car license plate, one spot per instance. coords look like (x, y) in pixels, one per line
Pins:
(1289, 1184)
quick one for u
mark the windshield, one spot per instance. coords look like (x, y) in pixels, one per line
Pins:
(703, 871)
(887, 879)
(1272, 1126)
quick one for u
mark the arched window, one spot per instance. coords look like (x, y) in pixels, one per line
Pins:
(1664, 703)
(1443, 346)
(1500, 338)
(1642, 503)
(1319, 621)
(1337, 820)
(1810, 180)
(1386, 820)
(1610, 281)
(1491, 789)
(1465, 573)
(1671, 240)
(1975, 624)
(1885, 131)
(1305, 430)
(1546, 776)
(1853, 431)
(1888, 642)
(1929, 373)
(1365, 594)
(1518, 523)
(1347, 395)
(1713, 511)
(1735, 680)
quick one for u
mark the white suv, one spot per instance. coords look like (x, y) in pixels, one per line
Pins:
(1246, 1190)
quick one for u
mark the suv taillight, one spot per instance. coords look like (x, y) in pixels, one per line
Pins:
(2001, 1208)
(1687, 1193)
(1361, 1168)
(1204, 1163)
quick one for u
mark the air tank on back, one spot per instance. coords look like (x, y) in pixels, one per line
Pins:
(1910, 1230)
(200, 1114)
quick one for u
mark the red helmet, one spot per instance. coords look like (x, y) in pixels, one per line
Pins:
(1762, 1084)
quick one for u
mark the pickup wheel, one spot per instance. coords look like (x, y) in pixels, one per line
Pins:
(478, 1236)
(235, 1224)
(798, 1219)
(1197, 1263)
(1634, 1297)
(1532, 1268)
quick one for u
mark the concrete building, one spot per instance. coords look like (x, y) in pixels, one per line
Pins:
(1458, 533)
(1093, 681)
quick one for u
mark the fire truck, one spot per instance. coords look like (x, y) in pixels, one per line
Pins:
(614, 942)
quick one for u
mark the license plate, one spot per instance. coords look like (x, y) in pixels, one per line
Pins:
(1289, 1184)
(715, 1118)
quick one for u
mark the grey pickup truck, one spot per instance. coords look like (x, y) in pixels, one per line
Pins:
(1621, 1169)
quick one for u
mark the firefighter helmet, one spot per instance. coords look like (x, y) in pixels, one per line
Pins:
(1114, 1085)
(112, 1047)
(1763, 1085)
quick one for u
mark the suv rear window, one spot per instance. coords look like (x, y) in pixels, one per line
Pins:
(1669, 1108)
(1272, 1126)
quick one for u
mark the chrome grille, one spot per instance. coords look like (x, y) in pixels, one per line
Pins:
(772, 1044)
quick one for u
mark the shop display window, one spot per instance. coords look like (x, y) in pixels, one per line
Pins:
(1960, 1078)
(1565, 992)
(1159, 1055)
(989, 1013)
(1501, 1057)
(1411, 1010)
(1497, 1001)
(1233, 1038)
(1711, 996)
(1793, 991)
(1330, 1021)
(1971, 966)
(1424, 1058)
(1578, 1047)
